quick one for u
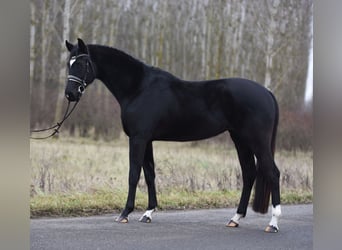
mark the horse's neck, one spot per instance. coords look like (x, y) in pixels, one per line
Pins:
(121, 73)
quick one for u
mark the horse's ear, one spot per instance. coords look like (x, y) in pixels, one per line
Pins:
(69, 46)
(81, 46)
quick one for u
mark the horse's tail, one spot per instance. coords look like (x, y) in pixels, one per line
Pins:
(275, 125)
(263, 186)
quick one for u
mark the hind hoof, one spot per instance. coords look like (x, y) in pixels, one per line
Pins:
(232, 223)
(145, 219)
(271, 229)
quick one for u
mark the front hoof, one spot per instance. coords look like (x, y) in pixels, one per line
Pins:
(145, 219)
(232, 223)
(122, 219)
(271, 229)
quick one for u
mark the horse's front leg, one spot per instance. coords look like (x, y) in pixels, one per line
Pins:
(149, 173)
(136, 157)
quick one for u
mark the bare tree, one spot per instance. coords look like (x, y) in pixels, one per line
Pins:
(267, 41)
(63, 58)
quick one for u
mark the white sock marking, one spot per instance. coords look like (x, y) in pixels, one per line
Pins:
(148, 214)
(276, 212)
(236, 218)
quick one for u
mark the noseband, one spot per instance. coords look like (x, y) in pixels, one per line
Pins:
(81, 82)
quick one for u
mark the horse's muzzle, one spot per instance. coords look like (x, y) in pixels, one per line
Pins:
(73, 94)
(72, 98)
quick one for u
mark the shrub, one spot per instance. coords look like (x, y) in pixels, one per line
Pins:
(295, 130)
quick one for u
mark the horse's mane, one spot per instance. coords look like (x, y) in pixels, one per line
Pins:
(117, 53)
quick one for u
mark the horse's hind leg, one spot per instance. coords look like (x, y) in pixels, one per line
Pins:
(267, 181)
(276, 209)
(149, 173)
(247, 162)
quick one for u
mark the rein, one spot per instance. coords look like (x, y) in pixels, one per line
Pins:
(57, 126)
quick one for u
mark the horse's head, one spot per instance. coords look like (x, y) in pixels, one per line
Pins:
(81, 70)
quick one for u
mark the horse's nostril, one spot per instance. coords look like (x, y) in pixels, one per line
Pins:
(68, 96)
(71, 97)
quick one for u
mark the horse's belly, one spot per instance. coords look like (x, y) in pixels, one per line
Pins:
(188, 137)
(189, 130)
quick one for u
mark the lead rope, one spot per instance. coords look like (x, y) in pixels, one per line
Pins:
(57, 126)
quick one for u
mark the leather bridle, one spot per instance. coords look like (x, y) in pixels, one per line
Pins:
(82, 82)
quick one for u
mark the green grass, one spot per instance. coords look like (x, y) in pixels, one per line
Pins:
(75, 204)
(72, 177)
(100, 202)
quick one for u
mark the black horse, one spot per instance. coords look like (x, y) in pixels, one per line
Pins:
(155, 105)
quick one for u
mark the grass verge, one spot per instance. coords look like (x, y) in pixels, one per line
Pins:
(101, 202)
(78, 177)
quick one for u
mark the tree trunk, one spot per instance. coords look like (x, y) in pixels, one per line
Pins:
(63, 60)
(32, 44)
(44, 56)
(272, 25)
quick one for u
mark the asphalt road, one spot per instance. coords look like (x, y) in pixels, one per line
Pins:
(199, 229)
